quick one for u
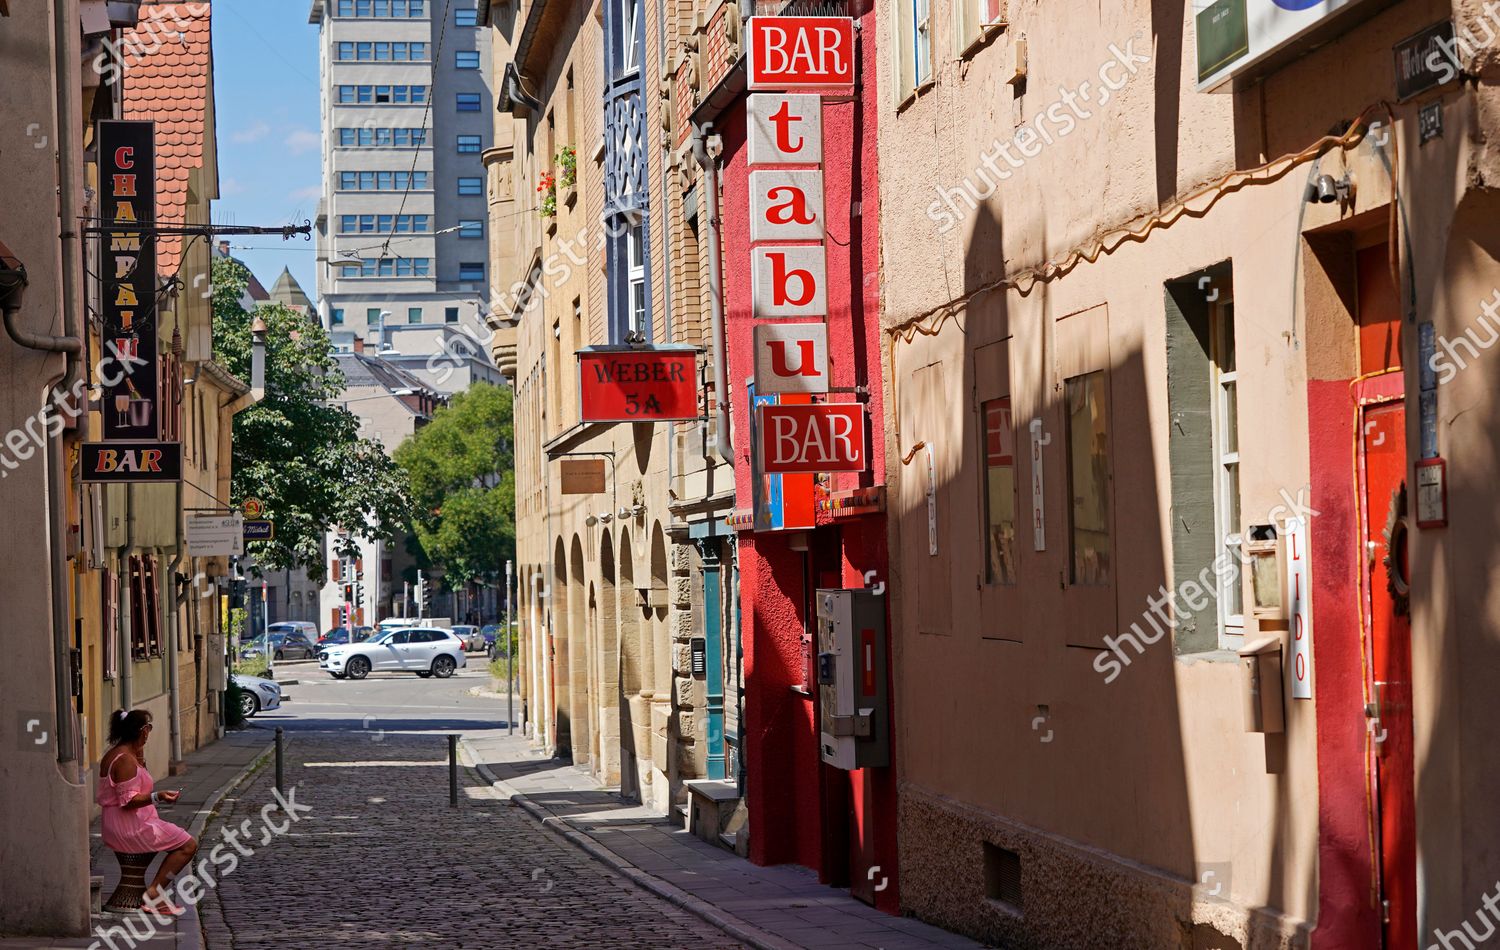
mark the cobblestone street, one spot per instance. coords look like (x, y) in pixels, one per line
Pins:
(381, 860)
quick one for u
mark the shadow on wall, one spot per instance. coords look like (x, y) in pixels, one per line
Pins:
(1005, 707)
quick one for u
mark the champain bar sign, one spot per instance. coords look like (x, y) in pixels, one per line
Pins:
(1235, 36)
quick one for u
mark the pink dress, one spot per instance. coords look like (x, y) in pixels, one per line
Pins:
(135, 830)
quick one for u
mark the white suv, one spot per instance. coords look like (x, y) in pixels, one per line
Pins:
(425, 651)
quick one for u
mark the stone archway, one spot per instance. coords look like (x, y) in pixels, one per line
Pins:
(574, 670)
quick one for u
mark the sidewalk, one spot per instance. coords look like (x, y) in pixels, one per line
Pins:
(211, 772)
(773, 908)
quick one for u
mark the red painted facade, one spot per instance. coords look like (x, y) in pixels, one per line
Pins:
(842, 824)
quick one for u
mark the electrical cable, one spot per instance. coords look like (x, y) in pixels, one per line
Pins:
(930, 321)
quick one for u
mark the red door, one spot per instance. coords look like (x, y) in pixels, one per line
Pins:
(1382, 470)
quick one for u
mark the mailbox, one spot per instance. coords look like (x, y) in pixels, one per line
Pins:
(853, 704)
(1260, 664)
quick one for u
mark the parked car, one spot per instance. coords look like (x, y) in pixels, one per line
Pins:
(469, 635)
(491, 633)
(362, 633)
(425, 651)
(334, 637)
(288, 642)
(257, 694)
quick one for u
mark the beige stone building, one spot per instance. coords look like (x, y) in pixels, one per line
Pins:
(615, 587)
(1159, 280)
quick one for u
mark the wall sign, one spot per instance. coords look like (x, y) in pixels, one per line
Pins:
(127, 265)
(1432, 493)
(791, 358)
(819, 437)
(1235, 35)
(582, 476)
(1420, 61)
(788, 281)
(634, 384)
(1299, 607)
(801, 54)
(786, 205)
(778, 502)
(783, 130)
(259, 530)
(216, 535)
(132, 461)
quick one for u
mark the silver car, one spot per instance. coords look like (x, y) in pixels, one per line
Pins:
(470, 635)
(257, 694)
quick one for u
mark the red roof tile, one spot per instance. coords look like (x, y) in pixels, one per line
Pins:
(167, 60)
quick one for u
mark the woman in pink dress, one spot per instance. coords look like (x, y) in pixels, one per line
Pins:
(129, 823)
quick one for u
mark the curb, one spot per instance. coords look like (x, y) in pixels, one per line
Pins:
(733, 926)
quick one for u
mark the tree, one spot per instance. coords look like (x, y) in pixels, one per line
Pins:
(301, 456)
(461, 467)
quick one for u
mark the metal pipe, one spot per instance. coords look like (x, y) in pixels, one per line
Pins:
(46, 342)
(706, 149)
(174, 676)
(452, 770)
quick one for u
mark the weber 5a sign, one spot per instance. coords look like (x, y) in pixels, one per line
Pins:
(636, 384)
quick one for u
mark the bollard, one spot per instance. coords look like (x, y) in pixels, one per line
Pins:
(453, 770)
(279, 786)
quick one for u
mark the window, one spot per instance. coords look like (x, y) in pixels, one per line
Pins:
(913, 46)
(413, 314)
(337, 317)
(636, 261)
(462, 17)
(999, 491)
(466, 59)
(403, 9)
(971, 19)
(468, 102)
(382, 138)
(628, 57)
(471, 186)
(385, 223)
(382, 95)
(470, 270)
(922, 39)
(471, 229)
(380, 52)
(372, 316)
(450, 315)
(470, 144)
(145, 626)
(384, 181)
(1226, 437)
(1088, 478)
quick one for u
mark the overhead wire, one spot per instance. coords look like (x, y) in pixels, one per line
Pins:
(930, 321)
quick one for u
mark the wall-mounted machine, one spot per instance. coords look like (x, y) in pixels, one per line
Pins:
(853, 704)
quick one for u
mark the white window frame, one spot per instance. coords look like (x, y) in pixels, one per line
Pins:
(1227, 510)
(635, 257)
(921, 18)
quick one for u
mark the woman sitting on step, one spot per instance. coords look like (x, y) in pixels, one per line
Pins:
(130, 824)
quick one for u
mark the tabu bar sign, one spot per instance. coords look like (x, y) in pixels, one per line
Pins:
(127, 180)
(635, 384)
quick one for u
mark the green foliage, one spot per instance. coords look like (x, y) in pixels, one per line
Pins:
(461, 467)
(300, 455)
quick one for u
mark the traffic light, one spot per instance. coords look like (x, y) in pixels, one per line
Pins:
(348, 593)
(359, 596)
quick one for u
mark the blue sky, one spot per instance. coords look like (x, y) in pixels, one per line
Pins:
(266, 96)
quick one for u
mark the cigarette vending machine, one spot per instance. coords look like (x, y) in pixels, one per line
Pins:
(853, 705)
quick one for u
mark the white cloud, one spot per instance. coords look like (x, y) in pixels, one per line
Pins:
(254, 133)
(303, 140)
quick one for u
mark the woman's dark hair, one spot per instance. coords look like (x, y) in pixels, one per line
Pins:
(126, 727)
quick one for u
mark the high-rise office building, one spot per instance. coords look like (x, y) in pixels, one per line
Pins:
(406, 103)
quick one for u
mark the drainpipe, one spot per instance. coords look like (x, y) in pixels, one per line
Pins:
(174, 676)
(707, 147)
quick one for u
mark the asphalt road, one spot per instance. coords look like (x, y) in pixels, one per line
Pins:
(392, 702)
